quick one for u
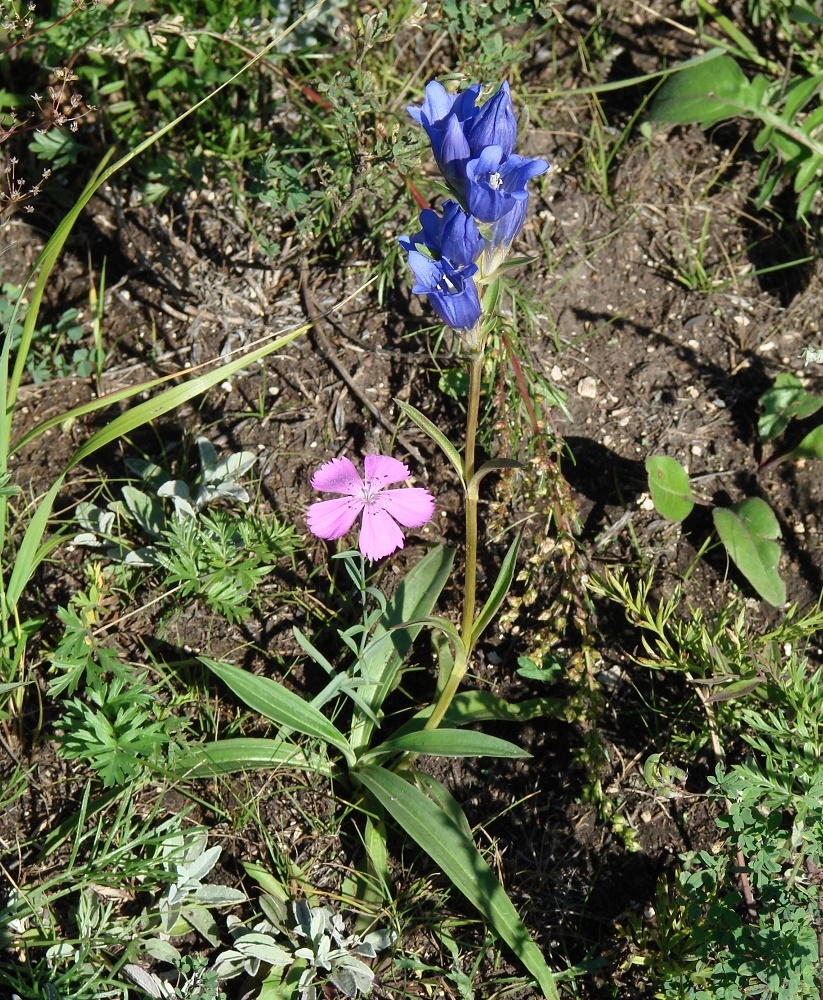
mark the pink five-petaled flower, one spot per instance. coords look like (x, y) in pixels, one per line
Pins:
(383, 510)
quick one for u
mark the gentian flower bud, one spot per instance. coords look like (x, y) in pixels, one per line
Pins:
(494, 124)
(444, 117)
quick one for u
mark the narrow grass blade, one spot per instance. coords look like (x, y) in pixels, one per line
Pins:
(278, 704)
(447, 743)
(458, 858)
(231, 756)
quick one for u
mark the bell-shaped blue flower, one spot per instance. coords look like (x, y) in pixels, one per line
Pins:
(444, 116)
(494, 182)
(494, 124)
(442, 257)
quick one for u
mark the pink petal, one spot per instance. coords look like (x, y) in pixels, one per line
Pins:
(333, 518)
(338, 476)
(411, 506)
(379, 533)
(382, 470)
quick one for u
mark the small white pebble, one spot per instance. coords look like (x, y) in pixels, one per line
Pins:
(587, 387)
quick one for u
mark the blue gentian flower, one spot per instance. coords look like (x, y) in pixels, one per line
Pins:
(494, 182)
(442, 257)
(445, 117)
(493, 125)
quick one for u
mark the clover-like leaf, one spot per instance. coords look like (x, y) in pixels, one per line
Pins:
(747, 530)
(669, 486)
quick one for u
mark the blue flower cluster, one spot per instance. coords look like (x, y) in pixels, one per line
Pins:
(473, 147)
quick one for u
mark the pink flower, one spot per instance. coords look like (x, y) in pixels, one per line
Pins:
(383, 510)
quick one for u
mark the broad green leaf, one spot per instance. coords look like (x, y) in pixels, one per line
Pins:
(811, 446)
(705, 93)
(669, 486)
(396, 631)
(747, 531)
(231, 756)
(447, 743)
(458, 858)
(275, 702)
(499, 590)
(436, 435)
(784, 401)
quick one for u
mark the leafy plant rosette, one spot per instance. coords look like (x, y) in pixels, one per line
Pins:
(454, 259)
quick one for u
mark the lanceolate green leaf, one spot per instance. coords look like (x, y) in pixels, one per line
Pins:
(275, 702)
(470, 707)
(392, 637)
(447, 743)
(458, 858)
(436, 435)
(747, 531)
(706, 93)
(245, 754)
(499, 591)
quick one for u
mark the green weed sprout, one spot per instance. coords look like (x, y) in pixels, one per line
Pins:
(749, 529)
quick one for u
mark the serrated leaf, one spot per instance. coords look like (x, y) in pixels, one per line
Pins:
(669, 486)
(747, 531)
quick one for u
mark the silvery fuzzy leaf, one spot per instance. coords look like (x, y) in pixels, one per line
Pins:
(380, 939)
(192, 872)
(263, 947)
(274, 910)
(174, 488)
(148, 982)
(145, 510)
(208, 455)
(88, 539)
(146, 555)
(231, 467)
(365, 949)
(163, 951)
(218, 895)
(351, 976)
(233, 491)
(228, 964)
(303, 916)
(203, 922)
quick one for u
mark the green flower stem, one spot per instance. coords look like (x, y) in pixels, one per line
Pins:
(463, 653)
(470, 582)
